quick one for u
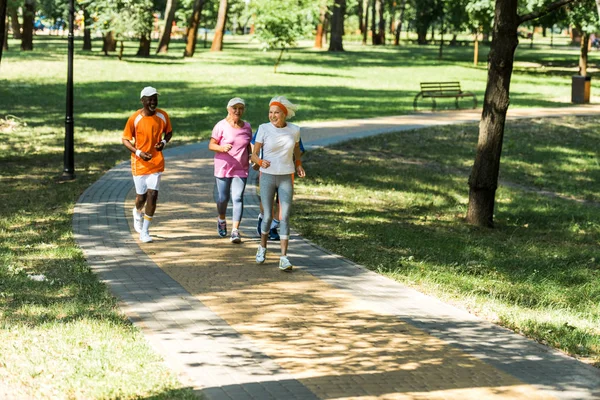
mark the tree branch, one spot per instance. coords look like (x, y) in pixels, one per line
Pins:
(545, 10)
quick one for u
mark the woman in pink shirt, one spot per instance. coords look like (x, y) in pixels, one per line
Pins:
(230, 141)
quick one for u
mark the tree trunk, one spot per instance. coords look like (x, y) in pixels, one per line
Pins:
(483, 181)
(598, 7)
(217, 43)
(163, 44)
(3, 27)
(278, 60)
(583, 56)
(381, 32)
(14, 23)
(87, 32)
(337, 26)
(366, 24)
(374, 36)
(361, 19)
(441, 51)
(109, 43)
(476, 49)
(144, 49)
(28, 16)
(192, 30)
(531, 38)
(319, 35)
(400, 21)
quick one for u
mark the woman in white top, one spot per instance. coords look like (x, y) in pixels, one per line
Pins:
(279, 142)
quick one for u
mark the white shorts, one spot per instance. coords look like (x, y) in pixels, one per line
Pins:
(145, 182)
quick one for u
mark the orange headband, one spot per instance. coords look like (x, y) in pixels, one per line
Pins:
(278, 104)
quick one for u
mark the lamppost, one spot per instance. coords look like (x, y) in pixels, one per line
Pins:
(69, 161)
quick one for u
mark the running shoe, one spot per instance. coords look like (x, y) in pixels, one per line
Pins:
(285, 264)
(235, 237)
(138, 220)
(145, 237)
(261, 253)
(222, 228)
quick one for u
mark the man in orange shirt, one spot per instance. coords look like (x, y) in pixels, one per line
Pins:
(143, 136)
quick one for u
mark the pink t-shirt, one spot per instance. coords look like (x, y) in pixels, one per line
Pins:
(236, 161)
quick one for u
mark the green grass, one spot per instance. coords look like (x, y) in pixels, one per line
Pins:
(396, 205)
(56, 333)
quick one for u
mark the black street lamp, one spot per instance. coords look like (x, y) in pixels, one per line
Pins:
(69, 160)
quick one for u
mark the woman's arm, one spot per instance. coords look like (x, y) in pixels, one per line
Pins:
(217, 148)
(256, 158)
(298, 161)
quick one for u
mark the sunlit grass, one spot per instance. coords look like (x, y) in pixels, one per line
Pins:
(401, 214)
(70, 313)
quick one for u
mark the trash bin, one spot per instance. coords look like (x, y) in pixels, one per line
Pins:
(580, 89)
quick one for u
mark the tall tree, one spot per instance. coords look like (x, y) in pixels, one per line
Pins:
(192, 29)
(481, 16)
(143, 19)
(381, 23)
(586, 22)
(427, 11)
(163, 44)
(3, 26)
(483, 180)
(321, 26)
(14, 19)
(365, 6)
(87, 23)
(28, 17)
(217, 43)
(400, 21)
(337, 26)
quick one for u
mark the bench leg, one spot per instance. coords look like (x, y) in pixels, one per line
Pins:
(434, 104)
(474, 102)
(456, 102)
(415, 101)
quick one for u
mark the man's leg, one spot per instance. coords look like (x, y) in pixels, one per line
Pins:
(141, 190)
(153, 182)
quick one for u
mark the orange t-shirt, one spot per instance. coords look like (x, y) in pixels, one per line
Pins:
(147, 132)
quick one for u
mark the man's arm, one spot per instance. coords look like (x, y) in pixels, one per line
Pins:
(143, 155)
(161, 145)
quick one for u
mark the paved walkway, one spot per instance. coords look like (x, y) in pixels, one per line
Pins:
(329, 330)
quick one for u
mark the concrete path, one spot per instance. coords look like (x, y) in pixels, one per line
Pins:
(329, 330)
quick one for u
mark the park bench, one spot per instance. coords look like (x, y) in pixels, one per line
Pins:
(434, 90)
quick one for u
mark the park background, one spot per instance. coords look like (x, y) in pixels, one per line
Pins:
(395, 203)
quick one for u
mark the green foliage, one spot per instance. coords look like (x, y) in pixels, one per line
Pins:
(280, 24)
(481, 14)
(557, 17)
(427, 12)
(125, 18)
(584, 15)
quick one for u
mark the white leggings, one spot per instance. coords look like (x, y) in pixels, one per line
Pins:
(284, 185)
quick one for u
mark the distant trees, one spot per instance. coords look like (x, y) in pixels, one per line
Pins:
(279, 25)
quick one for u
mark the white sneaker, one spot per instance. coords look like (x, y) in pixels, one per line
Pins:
(285, 264)
(145, 237)
(138, 221)
(261, 253)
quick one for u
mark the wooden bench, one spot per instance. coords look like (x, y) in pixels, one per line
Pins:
(434, 90)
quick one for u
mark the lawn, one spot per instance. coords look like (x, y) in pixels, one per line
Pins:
(397, 206)
(64, 336)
